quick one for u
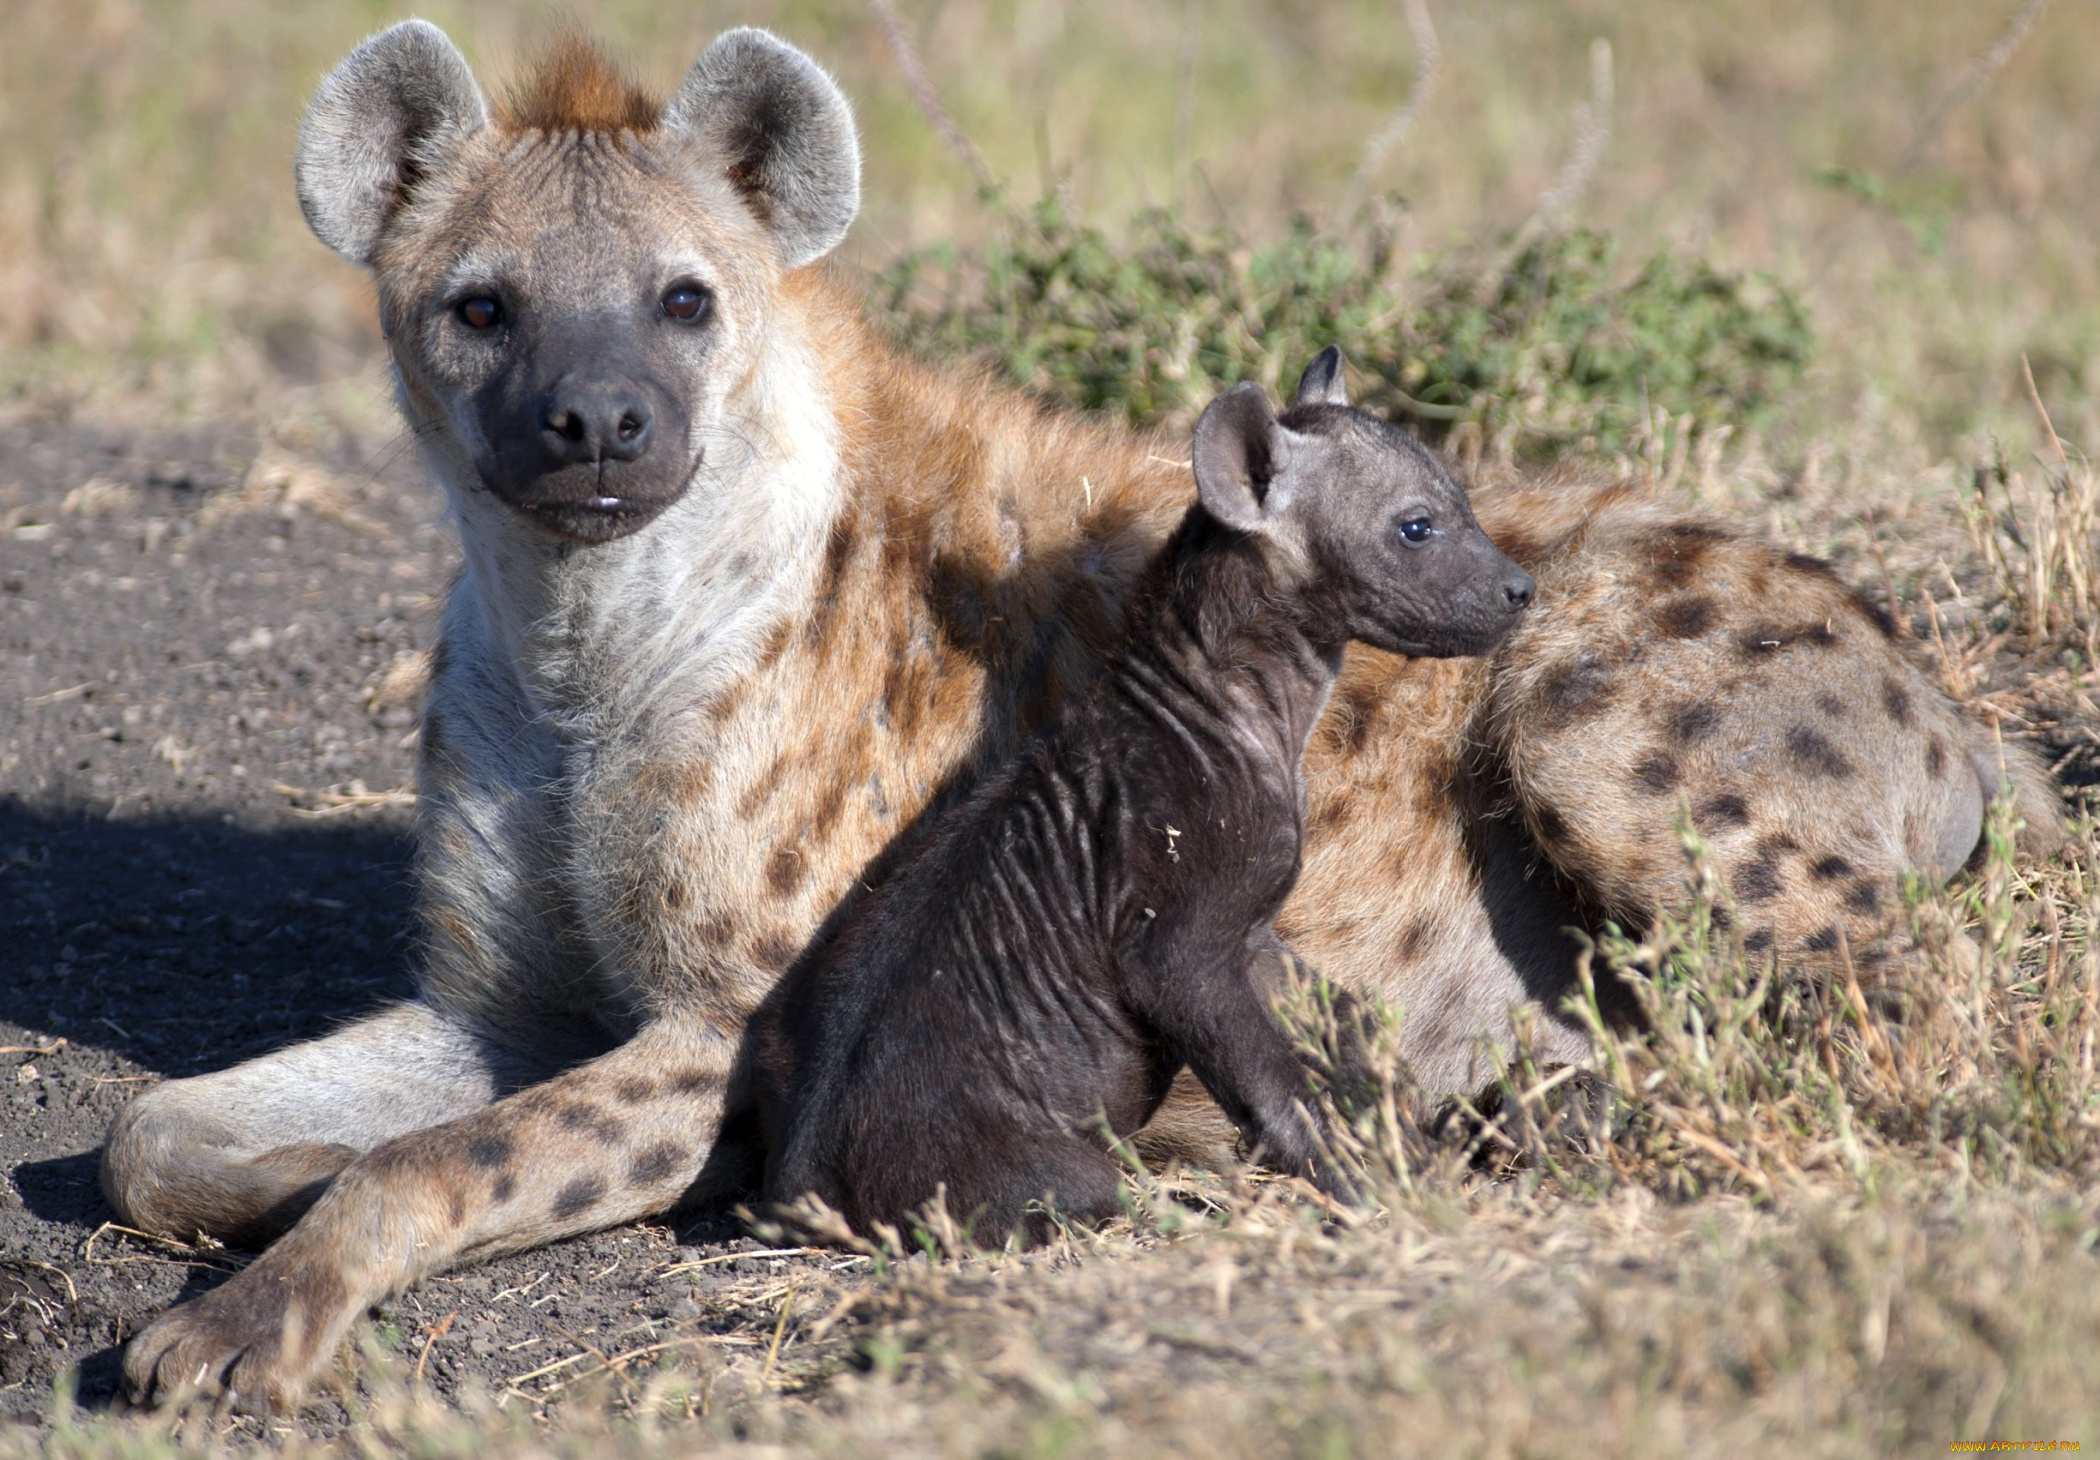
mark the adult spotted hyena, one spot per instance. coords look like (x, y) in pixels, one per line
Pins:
(744, 592)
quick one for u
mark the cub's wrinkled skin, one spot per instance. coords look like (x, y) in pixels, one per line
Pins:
(1099, 913)
(744, 592)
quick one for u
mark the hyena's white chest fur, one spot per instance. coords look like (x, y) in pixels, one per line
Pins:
(581, 793)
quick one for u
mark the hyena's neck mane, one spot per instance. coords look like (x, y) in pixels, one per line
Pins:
(1224, 644)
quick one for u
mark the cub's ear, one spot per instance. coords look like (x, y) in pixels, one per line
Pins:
(383, 119)
(1321, 384)
(1239, 449)
(784, 134)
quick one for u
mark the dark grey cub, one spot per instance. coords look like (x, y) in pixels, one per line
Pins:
(1098, 913)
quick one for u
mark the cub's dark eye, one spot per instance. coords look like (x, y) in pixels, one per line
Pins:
(686, 301)
(1415, 530)
(480, 312)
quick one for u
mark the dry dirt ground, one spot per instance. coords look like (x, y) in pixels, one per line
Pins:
(207, 646)
(199, 862)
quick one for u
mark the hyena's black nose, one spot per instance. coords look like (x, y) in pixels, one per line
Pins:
(1517, 589)
(596, 420)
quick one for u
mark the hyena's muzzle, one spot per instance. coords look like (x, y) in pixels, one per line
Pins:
(583, 437)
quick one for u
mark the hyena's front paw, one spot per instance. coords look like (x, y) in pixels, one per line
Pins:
(257, 1342)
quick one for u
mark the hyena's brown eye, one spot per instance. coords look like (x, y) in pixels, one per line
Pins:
(479, 313)
(686, 301)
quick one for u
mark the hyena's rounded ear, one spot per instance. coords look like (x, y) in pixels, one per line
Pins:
(1239, 449)
(385, 117)
(1322, 384)
(784, 134)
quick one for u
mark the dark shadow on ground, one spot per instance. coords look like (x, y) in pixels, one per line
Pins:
(186, 945)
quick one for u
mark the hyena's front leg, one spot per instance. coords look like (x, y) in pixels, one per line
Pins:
(606, 1142)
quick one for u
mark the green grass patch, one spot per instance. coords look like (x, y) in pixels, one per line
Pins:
(1538, 344)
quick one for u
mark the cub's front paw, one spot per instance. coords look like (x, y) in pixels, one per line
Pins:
(257, 1342)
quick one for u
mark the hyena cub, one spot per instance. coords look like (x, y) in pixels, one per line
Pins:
(1099, 913)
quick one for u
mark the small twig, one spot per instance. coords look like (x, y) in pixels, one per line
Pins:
(1888, 579)
(1956, 680)
(1592, 133)
(1986, 65)
(536, 1280)
(2056, 444)
(195, 1254)
(787, 1306)
(1185, 90)
(60, 696)
(1429, 64)
(438, 1331)
(734, 1256)
(544, 1370)
(72, 1293)
(928, 100)
(52, 1048)
(617, 1370)
(335, 803)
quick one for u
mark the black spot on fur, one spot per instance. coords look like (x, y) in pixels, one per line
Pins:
(1807, 563)
(1722, 920)
(1415, 939)
(1864, 897)
(1551, 827)
(1935, 758)
(691, 1082)
(1685, 618)
(1897, 700)
(1657, 773)
(653, 1165)
(634, 1090)
(579, 1194)
(775, 951)
(1821, 942)
(784, 870)
(1815, 755)
(1571, 692)
(1831, 705)
(1677, 555)
(489, 1152)
(1757, 880)
(1724, 811)
(504, 1189)
(1829, 869)
(1693, 722)
(1757, 940)
(588, 1120)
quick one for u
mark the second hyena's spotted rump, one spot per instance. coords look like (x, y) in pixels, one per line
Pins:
(1681, 670)
(744, 593)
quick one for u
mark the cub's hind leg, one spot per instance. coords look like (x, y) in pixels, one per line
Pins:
(241, 1153)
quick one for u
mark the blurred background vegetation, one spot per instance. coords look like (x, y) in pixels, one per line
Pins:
(1782, 225)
